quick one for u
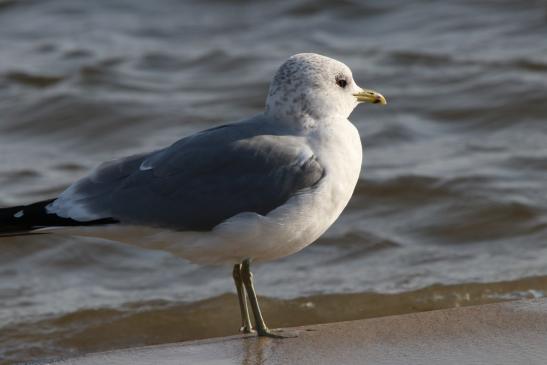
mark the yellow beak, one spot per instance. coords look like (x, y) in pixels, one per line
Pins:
(370, 96)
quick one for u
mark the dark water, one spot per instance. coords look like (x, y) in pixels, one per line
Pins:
(451, 208)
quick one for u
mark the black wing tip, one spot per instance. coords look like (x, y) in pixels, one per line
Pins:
(21, 220)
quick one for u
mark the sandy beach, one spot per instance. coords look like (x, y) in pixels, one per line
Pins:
(503, 333)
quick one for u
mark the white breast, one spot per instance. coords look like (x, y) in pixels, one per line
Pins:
(304, 218)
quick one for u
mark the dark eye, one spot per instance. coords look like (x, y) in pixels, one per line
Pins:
(342, 83)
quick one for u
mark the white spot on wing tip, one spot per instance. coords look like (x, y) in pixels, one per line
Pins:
(19, 214)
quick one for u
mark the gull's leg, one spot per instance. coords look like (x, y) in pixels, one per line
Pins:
(247, 277)
(246, 326)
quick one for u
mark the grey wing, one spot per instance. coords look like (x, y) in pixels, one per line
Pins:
(198, 182)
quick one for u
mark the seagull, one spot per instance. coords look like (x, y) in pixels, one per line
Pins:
(254, 190)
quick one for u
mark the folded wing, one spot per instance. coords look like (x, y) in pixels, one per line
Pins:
(198, 182)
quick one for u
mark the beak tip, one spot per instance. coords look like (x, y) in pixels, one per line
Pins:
(380, 100)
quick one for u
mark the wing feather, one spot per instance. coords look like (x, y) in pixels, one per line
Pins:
(199, 181)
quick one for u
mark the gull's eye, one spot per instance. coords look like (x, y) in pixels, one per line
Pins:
(341, 82)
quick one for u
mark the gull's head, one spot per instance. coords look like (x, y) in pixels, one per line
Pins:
(311, 85)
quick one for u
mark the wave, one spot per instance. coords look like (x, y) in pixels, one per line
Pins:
(158, 322)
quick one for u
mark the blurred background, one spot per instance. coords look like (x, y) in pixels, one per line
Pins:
(450, 210)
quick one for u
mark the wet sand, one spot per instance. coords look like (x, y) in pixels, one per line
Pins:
(503, 333)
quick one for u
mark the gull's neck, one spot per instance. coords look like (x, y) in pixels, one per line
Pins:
(304, 123)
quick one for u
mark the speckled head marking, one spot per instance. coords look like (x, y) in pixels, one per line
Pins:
(314, 86)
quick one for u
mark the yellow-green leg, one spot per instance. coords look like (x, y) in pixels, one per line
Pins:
(247, 278)
(246, 326)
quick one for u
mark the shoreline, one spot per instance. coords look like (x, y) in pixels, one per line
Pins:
(500, 333)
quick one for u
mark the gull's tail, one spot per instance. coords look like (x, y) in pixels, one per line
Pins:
(21, 220)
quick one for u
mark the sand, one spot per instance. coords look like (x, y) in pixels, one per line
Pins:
(504, 333)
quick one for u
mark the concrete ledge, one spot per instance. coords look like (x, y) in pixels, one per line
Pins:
(504, 333)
